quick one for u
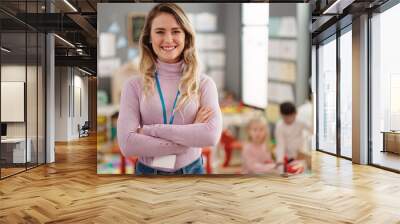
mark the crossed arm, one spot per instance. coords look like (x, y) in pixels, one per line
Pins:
(206, 129)
(130, 141)
(163, 139)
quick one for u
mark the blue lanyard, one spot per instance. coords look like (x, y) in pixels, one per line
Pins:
(171, 120)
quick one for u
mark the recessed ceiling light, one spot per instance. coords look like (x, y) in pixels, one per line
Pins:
(64, 40)
(84, 71)
(70, 5)
(337, 7)
(5, 49)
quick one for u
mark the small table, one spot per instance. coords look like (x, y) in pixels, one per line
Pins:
(13, 150)
(391, 141)
(236, 121)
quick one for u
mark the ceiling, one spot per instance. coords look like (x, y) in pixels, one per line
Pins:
(73, 20)
(332, 15)
(22, 20)
(77, 23)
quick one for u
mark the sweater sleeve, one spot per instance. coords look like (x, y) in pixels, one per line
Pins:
(198, 134)
(132, 143)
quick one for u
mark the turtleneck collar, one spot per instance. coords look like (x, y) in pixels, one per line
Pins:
(169, 70)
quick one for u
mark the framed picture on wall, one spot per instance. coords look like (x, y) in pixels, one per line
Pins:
(135, 24)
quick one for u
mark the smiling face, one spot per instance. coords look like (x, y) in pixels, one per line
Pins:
(167, 38)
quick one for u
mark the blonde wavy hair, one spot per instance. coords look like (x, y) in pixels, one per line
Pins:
(189, 83)
(258, 120)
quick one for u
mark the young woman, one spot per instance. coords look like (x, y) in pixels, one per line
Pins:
(171, 111)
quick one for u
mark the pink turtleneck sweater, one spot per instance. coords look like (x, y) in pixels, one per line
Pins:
(182, 138)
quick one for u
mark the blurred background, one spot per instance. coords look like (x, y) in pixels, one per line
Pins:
(257, 54)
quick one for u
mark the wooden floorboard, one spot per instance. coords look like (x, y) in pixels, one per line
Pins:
(70, 191)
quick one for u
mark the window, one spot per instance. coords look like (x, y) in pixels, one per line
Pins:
(385, 89)
(327, 96)
(22, 65)
(254, 54)
(346, 94)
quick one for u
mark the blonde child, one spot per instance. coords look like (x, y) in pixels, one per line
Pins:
(256, 158)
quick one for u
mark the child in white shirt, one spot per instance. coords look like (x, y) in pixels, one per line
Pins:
(289, 134)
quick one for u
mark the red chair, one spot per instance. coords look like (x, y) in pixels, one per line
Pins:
(122, 164)
(229, 143)
(206, 152)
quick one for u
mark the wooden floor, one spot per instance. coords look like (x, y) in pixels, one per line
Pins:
(10, 171)
(70, 191)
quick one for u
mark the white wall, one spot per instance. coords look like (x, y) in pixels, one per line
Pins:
(67, 114)
(80, 93)
(14, 73)
(61, 103)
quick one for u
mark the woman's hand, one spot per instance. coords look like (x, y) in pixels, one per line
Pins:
(203, 115)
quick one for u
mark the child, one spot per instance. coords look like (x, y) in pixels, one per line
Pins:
(255, 155)
(289, 138)
(229, 100)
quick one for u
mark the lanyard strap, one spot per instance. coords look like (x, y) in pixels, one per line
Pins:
(171, 120)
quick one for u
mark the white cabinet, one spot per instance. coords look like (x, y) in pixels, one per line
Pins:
(16, 148)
